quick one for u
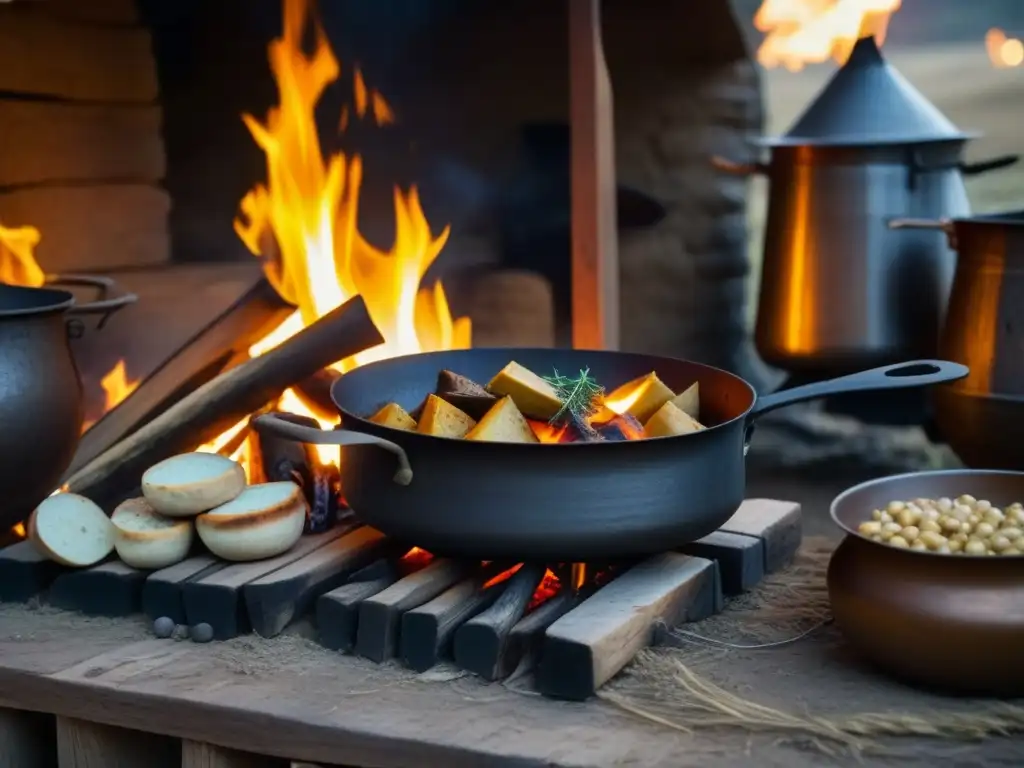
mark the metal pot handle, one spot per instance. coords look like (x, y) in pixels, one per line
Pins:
(918, 373)
(102, 306)
(286, 429)
(739, 169)
(984, 166)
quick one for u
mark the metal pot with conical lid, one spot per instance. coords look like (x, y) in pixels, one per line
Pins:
(839, 289)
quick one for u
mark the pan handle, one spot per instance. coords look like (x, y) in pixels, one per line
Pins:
(918, 373)
(286, 429)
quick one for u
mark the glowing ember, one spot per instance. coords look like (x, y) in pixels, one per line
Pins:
(800, 32)
(18, 266)
(1004, 52)
(548, 588)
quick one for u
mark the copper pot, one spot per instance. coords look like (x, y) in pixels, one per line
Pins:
(951, 622)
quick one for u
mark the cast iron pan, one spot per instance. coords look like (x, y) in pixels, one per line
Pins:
(575, 501)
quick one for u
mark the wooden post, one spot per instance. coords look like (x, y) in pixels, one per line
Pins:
(26, 739)
(89, 745)
(595, 262)
(195, 754)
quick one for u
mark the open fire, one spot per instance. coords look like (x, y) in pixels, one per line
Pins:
(303, 224)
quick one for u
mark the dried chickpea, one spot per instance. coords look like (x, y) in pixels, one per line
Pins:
(965, 525)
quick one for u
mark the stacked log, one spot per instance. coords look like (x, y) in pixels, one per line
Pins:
(81, 154)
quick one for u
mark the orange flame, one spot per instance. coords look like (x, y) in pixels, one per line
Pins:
(116, 387)
(303, 223)
(800, 32)
(1004, 52)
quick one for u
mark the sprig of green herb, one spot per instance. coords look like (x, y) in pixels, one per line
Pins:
(580, 398)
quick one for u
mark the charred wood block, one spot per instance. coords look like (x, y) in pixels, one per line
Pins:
(163, 590)
(740, 559)
(480, 642)
(427, 631)
(590, 644)
(337, 612)
(380, 616)
(24, 573)
(274, 600)
(776, 523)
(108, 589)
(217, 600)
(526, 639)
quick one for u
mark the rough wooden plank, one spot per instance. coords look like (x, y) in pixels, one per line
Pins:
(24, 573)
(740, 558)
(82, 744)
(44, 142)
(40, 55)
(196, 754)
(590, 644)
(595, 260)
(377, 636)
(776, 523)
(217, 600)
(27, 740)
(92, 227)
(427, 631)
(108, 589)
(274, 600)
(480, 642)
(337, 611)
(162, 590)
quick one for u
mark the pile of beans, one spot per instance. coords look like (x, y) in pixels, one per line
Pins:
(961, 526)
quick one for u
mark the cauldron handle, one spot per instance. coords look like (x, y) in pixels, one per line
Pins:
(102, 306)
(302, 434)
(917, 373)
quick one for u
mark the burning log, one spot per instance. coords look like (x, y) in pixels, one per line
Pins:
(590, 644)
(480, 642)
(380, 616)
(281, 459)
(222, 344)
(227, 399)
(315, 393)
(427, 631)
(337, 612)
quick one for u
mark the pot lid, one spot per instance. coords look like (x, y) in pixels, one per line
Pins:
(867, 101)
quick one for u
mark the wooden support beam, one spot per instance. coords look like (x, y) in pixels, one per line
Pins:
(27, 740)
(740, 558)
(108, 589)
(274, 600)
(427, 631)
(81, 744)
(162, 592)
(337, 612)
(480, 642)
(196, 754)
(777, 523)
(595, 262)
(217, 599)
(590, 644)
(24, 573)
(380, 616)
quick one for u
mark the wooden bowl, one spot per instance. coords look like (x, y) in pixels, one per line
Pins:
(951, 622)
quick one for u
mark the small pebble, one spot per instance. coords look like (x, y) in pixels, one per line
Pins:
(181, 632)
(163, 627)
(201, 633)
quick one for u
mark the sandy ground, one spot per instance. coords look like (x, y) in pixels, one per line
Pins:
(960, 81)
